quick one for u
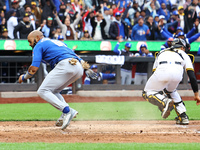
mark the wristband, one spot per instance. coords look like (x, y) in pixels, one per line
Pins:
(27, 75)
(23, 77)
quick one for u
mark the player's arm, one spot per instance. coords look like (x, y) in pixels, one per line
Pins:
(194, 85)
(29, 74)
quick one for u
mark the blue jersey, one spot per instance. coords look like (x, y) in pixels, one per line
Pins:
(51, 51)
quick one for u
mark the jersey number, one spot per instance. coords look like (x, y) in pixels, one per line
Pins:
(59, 43)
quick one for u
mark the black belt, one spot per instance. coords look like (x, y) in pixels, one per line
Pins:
(165, 62)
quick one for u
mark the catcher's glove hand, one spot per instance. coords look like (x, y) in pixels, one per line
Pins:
(73, 61)
(91, 74)
(85, 64)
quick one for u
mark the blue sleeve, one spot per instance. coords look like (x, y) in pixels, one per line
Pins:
(116, 51)
(164, 34)
(171, 35)
(194, 38)
(167, 25)
(107, 76)
(87, 81)
(198, 53)
(191, 32)
(37, 56)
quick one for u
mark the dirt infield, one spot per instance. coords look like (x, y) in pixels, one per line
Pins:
(97, 131)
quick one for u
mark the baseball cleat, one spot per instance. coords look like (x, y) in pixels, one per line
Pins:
(68, 117)
(166, 111)
(59, 122)
(182, 120)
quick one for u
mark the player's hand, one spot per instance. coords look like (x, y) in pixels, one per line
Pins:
(20, 79)
(197, 98)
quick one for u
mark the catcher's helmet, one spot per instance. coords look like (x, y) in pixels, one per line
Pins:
(177, 43)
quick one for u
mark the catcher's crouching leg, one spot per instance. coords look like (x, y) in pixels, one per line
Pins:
(155, 99)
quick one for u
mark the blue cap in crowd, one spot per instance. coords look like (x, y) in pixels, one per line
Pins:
(181, 33)
(179, 28)
(60, 37)
(128, 45)
(140, 17)
(143, 45)
(93, 67)
(118, 14)
(175, 12)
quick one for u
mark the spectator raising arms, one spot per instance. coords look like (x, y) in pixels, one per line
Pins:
(98, 24)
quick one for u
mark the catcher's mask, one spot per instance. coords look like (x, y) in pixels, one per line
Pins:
(177, 43)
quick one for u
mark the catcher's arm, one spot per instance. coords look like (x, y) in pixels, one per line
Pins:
(31, 71)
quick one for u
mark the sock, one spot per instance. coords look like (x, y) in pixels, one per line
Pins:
(66, 109)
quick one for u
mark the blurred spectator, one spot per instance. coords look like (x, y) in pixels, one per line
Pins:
(48, 8)
(183, 19)
(187, 3)
(141, 67)
(119, 9)
(86, 36)
(57, 33)
(167, 44)
(126, 69)
(88, 4)
(136, 18)
(70, 11)
(19, 10)
(131, 12)
(86, 20)
(151, 8)
(4, 34)
(106, 12)
(37, 11)
(57, 4)
(101, 76)
(98, 25)
(62, 12)
(118, 28)
(164, 11)
(96, 5)
(24, 28)
(49, 28)
(140, 31)
(68, 28)
(11, 23)
(152, 27)
(5, 5)
(31, 16)
(192, 13)
(76, 6)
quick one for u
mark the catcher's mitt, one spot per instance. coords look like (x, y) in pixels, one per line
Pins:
(85, 65)
(91, 74)
(73, 61)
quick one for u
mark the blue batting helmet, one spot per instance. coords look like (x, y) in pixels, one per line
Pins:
(128, 45)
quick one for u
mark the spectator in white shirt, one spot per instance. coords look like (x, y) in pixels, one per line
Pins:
(11, 23)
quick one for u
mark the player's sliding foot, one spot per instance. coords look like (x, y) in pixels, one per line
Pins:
(166, 111)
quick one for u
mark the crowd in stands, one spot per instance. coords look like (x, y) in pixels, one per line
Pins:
(100, 19)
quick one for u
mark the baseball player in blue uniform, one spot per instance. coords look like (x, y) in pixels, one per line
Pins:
(66, 66)
(168, 71)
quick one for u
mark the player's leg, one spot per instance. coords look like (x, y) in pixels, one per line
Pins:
(123, 77)
(152, 95)
(180, 109)
(56, 80)
(129, 78)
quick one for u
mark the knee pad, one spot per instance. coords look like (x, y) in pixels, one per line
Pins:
(155, 99)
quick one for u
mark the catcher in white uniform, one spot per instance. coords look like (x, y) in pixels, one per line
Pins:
(167, 74)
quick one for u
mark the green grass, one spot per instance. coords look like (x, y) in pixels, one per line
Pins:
(92, 111)
(99, 146)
